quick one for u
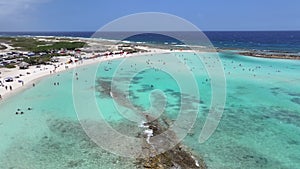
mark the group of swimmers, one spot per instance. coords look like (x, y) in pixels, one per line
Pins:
(21, 112)
(76, 74)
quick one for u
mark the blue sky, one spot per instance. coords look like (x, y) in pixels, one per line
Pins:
(90, 15)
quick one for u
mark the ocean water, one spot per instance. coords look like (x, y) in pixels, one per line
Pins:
(275, 41)
(260, 126)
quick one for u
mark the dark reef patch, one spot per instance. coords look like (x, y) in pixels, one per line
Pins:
(296, 100)
(65, 146)
(294, 94)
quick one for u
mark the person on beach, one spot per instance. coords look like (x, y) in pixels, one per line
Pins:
(33, 85)
(5, 87)
(10, 87)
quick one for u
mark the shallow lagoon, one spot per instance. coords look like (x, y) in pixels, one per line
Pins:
(260, 127)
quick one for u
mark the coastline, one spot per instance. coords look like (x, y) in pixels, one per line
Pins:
(270, 55)
(36, 74)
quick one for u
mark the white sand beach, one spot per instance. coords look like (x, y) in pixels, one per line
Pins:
(24, 78)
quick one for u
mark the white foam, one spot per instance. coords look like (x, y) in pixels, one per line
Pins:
(149, 133)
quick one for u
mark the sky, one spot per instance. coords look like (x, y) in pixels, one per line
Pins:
(90, 15)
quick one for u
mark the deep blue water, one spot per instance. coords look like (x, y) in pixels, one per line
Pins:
(278, 41)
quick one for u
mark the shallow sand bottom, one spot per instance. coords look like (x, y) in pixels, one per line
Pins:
(260, 127)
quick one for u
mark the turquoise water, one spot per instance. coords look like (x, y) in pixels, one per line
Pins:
(260, 126)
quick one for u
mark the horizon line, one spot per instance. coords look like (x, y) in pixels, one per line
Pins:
(42, 31)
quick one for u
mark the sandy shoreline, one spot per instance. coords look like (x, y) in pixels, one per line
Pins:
(31, 76)
(28, 77)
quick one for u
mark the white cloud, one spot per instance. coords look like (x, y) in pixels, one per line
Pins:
(16, 14)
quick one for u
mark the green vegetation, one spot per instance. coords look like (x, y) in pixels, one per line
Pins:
(49, 48)
(34, 45)
(5, 39)
(37, 60)
(58, 46)
(10, 66)
(27, 44)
